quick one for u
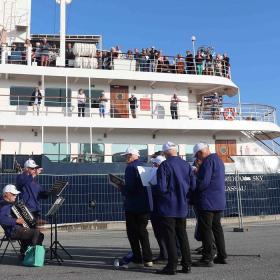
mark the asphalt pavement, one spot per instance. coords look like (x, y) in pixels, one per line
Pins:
(94, 253)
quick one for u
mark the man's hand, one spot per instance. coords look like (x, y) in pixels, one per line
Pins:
(20, 221)
(39, 170)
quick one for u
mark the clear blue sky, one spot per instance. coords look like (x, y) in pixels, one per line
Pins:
(248, 30)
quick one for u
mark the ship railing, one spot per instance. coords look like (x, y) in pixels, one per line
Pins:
(105, 60)
(146, 107)
(28, 56)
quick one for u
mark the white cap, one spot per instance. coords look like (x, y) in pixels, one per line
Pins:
(10, 189)
(30, 164)
(198, 147)
(131, 151)
(168, 146)
(158, 160)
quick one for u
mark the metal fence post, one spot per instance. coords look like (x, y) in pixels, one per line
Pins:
(239, 204)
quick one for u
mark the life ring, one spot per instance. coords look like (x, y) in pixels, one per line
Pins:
(229, 114)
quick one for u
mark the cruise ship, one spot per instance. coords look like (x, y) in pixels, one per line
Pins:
(66, 141)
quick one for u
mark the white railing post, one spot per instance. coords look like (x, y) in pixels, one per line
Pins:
(29, 55)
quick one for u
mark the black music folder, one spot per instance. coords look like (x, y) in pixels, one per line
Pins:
(115, 181)
(58, 187)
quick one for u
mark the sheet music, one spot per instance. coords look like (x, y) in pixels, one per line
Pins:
(54, 208)
(145, 175)
(115, 181)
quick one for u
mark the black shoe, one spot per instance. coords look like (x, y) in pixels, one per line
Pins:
(187, 269)
(166, 272)
(198, 250)
(218, 260)
(203, 263)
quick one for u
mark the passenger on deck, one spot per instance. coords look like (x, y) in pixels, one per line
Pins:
(81, 103)
(174, 104)
(133, 105)
(218, 65)
(36, 99)
(37, 53)
(190, 66)
(45, 52)
(209, 65)
(136, 56)
(226, 66)
(69, 54)
(143, 60)
(102, 105)
(199, 62)
(180, 64)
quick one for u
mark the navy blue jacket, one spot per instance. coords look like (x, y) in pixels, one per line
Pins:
(174, 181)
(7, 222)
(30, 190)
(210, 191)
(138, 199)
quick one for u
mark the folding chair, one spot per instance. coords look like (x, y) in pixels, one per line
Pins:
(9, 241)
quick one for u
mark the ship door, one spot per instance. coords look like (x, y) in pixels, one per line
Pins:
(225, 149)
(119, 102)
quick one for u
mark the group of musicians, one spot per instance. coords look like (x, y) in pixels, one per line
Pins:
(174, 185)
(30, 192)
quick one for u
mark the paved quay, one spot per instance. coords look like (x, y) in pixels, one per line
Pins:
(94, 253)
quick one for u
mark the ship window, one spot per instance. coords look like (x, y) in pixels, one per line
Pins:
(95, 93)
(118, 149)
(56, 97)
(21, 95)
(158, 148)
(57, 152)
(97, 153)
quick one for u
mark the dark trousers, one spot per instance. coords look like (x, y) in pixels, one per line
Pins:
(133, 113)
(27, 237)
(136, 228)
(209, 223)
(174, 113)
(81, 110)
(155, 220)
(172, 227)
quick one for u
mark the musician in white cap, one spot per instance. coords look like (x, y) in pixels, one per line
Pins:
(137, 205)
(156, 160)
(210, 202)
(13, 226)
(31, 190)
(174, 181)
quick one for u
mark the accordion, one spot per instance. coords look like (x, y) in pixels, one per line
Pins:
(21, 211)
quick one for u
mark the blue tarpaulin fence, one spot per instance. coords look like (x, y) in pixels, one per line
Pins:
(259, 195)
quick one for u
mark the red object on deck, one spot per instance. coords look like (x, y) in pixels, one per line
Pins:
(145, 104)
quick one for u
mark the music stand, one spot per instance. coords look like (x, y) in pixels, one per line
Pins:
(52, 213)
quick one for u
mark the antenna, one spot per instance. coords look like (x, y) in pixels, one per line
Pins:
(61, 59)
